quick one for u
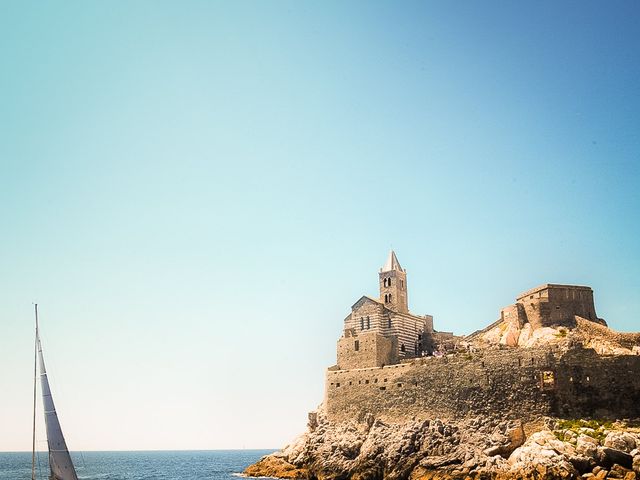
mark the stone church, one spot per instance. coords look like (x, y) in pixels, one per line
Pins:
(381, 331)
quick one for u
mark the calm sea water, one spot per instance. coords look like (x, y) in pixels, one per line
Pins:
(180, 465)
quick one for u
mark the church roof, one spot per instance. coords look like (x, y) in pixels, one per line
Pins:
(367, 298)
(392, 263)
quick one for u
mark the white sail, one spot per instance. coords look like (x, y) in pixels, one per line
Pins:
(59, 458)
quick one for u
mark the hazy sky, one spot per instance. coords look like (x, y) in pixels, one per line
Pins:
(196, 193)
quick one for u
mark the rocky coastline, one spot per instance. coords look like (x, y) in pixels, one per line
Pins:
(479, 448)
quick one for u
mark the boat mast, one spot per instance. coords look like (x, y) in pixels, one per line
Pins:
(35, 373)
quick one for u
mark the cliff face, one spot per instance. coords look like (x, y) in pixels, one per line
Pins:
(479, 448)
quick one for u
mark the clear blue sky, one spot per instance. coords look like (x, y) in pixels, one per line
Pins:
(196, 192)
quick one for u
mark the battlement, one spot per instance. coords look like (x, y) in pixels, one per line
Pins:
(552, 286)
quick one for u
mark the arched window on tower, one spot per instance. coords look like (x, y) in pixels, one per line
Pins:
(368, 323)
(389, 298)
(389, 281)
(361, 323)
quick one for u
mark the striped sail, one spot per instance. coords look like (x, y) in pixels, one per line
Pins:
(59, 458)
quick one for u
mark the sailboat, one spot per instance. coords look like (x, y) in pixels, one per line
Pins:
(60, 463)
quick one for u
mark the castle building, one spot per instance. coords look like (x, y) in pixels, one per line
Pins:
(550, 305)
(381, 331)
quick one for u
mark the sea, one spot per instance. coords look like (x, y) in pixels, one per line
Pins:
(154, 465)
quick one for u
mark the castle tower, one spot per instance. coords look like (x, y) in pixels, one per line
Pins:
(393, 285)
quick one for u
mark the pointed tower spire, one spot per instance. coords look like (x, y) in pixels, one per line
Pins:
(392, 263)
(393, 285)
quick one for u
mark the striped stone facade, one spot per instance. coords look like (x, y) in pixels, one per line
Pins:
(381, 331)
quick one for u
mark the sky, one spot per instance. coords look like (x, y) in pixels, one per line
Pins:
(195, 193)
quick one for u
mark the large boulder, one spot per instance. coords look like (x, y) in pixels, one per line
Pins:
(608, 457)
(620, 441)
(543, 456)
(581, 463)
(587, 446)
(506, 437)
(276, 466)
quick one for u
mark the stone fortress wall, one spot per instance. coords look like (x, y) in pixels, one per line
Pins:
(368, 348)
(513, 383)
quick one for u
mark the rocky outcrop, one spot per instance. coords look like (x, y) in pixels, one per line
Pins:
(585, 332)
(276, 466)
(479, 448)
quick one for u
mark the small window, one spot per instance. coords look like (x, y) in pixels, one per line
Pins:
(389, 324)
(357, 345)
(402, 348)
(548, 380)
(389, 282)
(368, 323)
(367, 382)
(361, 323)
(389, 298)
(402, 283)
(383, 388)
(337, 384)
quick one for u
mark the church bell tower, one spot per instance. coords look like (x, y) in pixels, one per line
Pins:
(393, 285)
